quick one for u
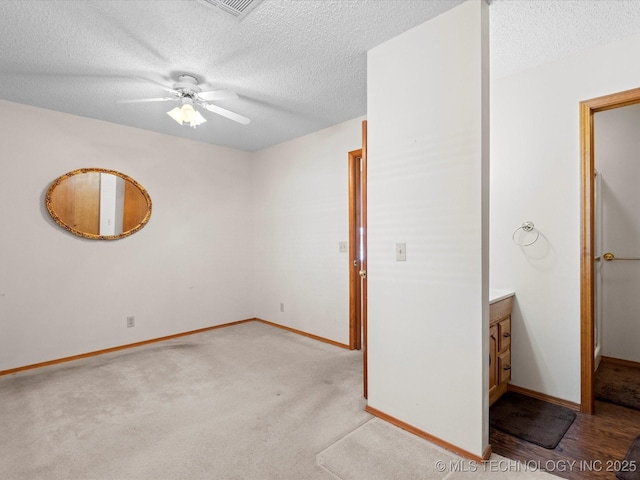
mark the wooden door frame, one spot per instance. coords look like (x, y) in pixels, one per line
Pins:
(588, 109)
(363, 222)
(355, 204)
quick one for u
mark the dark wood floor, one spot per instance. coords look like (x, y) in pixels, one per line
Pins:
(594, 442)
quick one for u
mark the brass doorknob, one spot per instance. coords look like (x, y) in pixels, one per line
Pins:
(608, 256)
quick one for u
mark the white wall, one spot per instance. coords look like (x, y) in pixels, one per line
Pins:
(188, 268)
(193, 265)
(617, 148)
(535, 176)
(428, 187)
(300, 193)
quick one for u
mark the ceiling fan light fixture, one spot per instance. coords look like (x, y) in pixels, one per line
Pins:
(187, 114)
(187, 91)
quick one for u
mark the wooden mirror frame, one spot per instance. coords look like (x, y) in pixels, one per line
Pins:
(58, 220)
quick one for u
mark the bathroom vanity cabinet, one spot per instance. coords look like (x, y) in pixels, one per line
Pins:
(499, 346)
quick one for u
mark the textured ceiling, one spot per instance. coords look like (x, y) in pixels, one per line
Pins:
(297, 65)
(526, 33)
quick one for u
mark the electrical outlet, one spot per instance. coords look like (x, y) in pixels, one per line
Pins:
(343, 247)
(282, 307)
(131, 322)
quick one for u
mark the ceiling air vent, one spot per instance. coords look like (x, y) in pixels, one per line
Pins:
(235, 8)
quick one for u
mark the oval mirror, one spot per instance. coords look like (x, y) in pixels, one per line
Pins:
(98, 203)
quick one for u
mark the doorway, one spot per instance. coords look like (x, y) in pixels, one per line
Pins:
(588, 241)
(358, 251)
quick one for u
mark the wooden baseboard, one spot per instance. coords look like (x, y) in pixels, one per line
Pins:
(427, 436)
(121, 347)
(305, 334)
(620, 361)
(162, 339)
(544, 397)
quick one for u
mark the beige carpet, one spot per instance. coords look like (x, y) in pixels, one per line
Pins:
(366, 454)
(244, 402)
(238, 403)
(380, 451)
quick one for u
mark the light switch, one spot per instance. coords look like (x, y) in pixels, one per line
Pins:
(401, 252)
(343, 246)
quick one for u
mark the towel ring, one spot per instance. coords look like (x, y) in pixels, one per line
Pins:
(526, 227)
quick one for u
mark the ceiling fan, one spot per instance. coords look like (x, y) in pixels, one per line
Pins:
(188, 93)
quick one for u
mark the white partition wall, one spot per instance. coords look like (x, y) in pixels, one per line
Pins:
(428, 188)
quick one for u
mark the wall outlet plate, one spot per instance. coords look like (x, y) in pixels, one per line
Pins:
(131, 322)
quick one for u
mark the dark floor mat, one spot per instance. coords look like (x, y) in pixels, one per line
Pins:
(618, 384)
(531, 419)
(630, 466)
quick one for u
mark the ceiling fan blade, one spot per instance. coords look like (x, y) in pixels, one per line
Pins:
(144, 100)
(168, 89)
(218, 95)
(226, 113)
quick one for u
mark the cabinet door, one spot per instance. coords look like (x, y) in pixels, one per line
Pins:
(504, 366)
(504, 334)
(493, 360)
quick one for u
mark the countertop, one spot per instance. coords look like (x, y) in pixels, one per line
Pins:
(495, 295)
